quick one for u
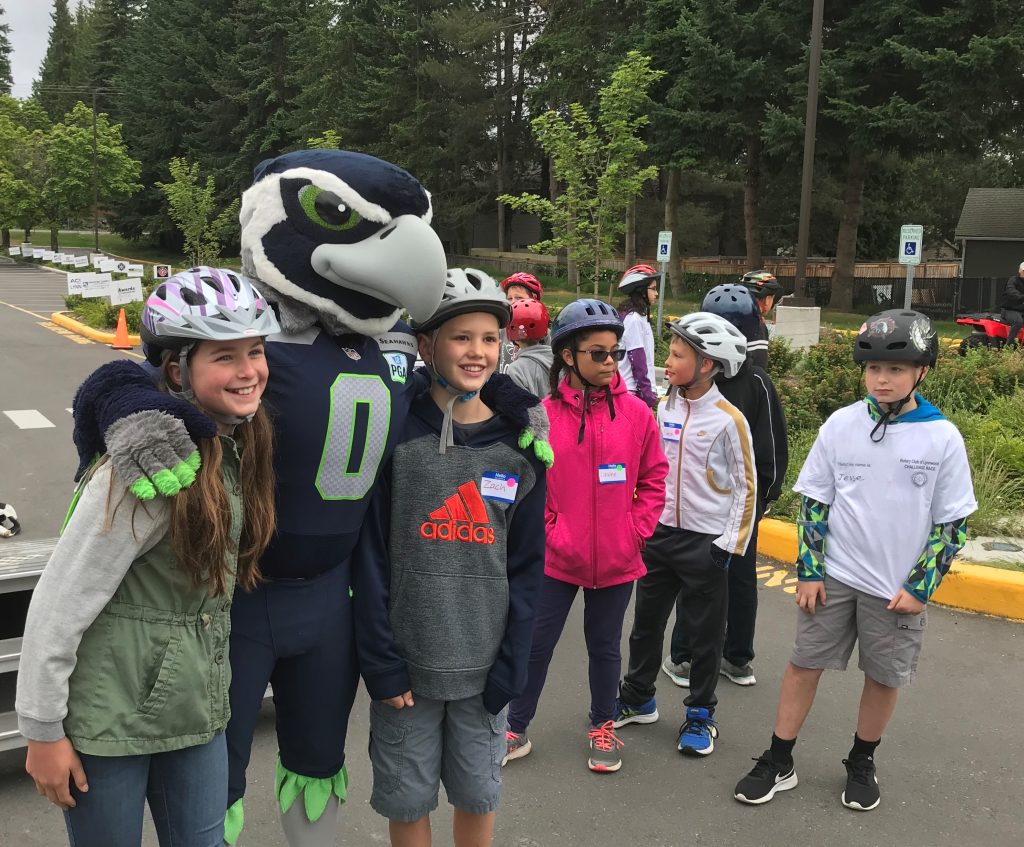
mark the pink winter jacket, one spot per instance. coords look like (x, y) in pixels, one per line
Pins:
(595, 531)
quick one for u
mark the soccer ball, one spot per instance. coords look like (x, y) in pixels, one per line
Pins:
(8, 521)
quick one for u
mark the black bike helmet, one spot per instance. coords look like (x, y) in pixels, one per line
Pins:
(736, 304)
(897, 335)
(762, 284)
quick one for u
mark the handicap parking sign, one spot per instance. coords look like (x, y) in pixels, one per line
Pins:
(910, 249)
(911, 236)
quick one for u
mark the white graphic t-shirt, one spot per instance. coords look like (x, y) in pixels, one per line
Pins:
(886, 496)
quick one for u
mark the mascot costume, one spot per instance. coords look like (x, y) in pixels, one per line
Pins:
(340, 242)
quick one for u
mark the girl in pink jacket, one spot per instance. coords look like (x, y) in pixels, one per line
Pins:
(604, 496)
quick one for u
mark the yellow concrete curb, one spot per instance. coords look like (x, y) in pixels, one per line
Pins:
(976, 588)
(62, 319)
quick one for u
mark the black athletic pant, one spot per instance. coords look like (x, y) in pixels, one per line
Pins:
(742, 615)
(678, 565)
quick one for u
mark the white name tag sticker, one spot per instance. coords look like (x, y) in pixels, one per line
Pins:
(671, 431)
(499, 486)
(611, 473)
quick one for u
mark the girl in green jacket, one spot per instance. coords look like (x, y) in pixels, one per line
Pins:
(123, 680)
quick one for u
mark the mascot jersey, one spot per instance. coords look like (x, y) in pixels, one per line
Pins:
(358, 386)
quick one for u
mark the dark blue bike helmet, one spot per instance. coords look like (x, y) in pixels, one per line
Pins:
(736, 304)
(586, 314)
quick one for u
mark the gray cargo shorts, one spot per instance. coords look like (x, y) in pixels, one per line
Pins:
(889, 643)
(413, 750)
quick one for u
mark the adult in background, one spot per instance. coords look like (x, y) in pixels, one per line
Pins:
(1013, 306)
(766, 290)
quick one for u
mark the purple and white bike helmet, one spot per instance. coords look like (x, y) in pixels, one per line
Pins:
(203, 304)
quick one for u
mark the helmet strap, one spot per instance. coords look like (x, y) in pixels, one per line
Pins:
(187, 394)
(893, 412)
(447, 423)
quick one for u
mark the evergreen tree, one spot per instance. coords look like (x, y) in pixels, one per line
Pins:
(55, 73)
(166, 80)
(6, 78)
(112, 22)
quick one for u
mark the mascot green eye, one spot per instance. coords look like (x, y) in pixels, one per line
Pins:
(327, 209)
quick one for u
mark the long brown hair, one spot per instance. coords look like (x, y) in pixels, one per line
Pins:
(201, 514)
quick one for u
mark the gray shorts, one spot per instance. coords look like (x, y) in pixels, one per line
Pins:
(413, 750)
(889, 644)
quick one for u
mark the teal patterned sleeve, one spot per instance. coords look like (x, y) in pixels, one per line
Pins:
(944, 542)
(811, 529)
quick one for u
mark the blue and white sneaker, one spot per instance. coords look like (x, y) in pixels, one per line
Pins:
(644, 713)
(698, 733)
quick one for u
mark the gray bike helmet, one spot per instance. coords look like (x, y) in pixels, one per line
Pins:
(203, 304)
(465, 291)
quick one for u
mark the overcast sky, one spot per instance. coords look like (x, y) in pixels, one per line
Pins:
(30, 25)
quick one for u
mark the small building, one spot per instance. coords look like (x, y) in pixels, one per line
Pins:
(991, 235)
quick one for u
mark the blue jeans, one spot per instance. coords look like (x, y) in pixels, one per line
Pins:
(187, 792)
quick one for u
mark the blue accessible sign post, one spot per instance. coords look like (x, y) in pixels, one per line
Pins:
(664, 255)
(911, 244)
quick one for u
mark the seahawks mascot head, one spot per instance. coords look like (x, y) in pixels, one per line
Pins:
(341, 239)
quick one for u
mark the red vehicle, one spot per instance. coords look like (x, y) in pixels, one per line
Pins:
(989, 331)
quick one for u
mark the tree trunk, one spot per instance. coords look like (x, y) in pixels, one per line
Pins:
(28, 234)
(673, 178)
(846, 242)
(5, 235)
(54, 229)
(502, 189)
(630, 245)
(751, 196)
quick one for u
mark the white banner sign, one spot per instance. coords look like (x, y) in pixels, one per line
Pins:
(162, 271)
(117, 266)
(96, 258)
(14, 251)
(89, 285)
(80, 261)
(136, 269)
(125, 291)
(49, 256)
(37, 252)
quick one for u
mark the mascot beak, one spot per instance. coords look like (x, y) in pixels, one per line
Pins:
(403, 264)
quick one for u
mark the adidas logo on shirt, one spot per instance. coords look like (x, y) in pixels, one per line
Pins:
(463, 517)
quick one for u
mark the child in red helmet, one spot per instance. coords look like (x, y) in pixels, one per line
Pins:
(528, 330)
(518, 287)
(639, 284)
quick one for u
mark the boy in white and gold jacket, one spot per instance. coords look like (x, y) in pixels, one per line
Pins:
(711, 492)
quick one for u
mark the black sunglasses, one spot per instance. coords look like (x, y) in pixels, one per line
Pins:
(601, 356)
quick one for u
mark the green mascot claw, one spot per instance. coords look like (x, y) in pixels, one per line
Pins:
(234, 820)
(541, 448)
(185, 472)
(166, 483)
(316, 791)
(143, 489)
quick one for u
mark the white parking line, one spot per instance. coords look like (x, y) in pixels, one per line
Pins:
(29, 419)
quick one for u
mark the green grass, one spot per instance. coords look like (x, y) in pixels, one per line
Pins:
(1005, 565)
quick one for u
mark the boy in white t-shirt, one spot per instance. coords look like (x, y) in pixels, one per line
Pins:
(886, 494)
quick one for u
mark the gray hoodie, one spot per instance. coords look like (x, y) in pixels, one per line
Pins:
(531, 369)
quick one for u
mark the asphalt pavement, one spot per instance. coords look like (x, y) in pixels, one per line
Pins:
(949, 766)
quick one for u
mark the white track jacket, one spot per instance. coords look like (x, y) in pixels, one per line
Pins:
(712, 483)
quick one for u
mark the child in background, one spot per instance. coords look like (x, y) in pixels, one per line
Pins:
(528, 329)
(124, 674)
(766, 290)
(639, 285)
(519, 286)
(605, 492)
(454, 553)
(707, 521)
(886, 495)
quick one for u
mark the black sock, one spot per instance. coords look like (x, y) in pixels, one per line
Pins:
(862, 747)
(782, 750)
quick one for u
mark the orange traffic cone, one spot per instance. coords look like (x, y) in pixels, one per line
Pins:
(121, 333)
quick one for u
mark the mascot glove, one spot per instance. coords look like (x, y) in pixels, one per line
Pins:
(153, 453)
(502, 394)
(148, 434)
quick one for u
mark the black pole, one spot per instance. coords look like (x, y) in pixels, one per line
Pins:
(810, 127)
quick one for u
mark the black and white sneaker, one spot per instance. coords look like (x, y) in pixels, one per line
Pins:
(767, 777)
(861, 791)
